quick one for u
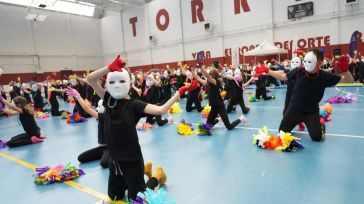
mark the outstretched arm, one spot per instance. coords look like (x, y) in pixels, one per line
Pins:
(278, 75)
(11, 106)
(198, 78)
(208, 76)
(85, 106)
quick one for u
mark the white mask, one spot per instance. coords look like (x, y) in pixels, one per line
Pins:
(178, 72)
(286, 63)
(326, 62)
(73, 82)
(295, 63)
(237, 73)
(208, 70)
(132, 78)
(100, 108)
(310, 62)
(165, 74)
(189, 74)
(118, 84)
(35, 87)
(229, 73)
(149, 82)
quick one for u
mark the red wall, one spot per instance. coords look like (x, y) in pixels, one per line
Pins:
(24, 77)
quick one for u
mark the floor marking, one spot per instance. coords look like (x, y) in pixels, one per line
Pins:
(327, 134)
(338, 109)
(69, 183)
(337, 89)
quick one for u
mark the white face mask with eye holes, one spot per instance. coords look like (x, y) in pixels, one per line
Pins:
(165, 74)
(237, 73)
(149, 82)
(295, 63)
(310, 62)
(118, 84)
(35, 87)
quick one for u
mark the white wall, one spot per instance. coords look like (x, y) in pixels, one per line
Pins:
(266, 20)
(61, 41)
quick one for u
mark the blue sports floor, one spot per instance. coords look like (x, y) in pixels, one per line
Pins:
(224, 168)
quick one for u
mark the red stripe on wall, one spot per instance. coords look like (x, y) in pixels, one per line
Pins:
(24, 77)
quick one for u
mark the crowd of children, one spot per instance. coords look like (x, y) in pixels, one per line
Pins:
(123, 97)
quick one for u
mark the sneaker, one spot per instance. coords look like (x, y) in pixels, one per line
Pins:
(246, 110)
(244, 120)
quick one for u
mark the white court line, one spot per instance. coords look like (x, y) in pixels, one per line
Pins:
(337, 89)
(327, 134)
(340, 109)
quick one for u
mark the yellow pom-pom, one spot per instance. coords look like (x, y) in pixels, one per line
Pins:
(176, 108)
(184, 129)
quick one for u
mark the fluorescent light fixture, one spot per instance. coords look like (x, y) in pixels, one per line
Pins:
(73, 8)
(67, 6)
(18, 2)
(31, 16)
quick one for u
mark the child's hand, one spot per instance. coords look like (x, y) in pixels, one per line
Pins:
(117, 64)
(72, 92)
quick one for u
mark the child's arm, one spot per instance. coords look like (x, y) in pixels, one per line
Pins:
(136, 89)
(248, 82)
(198, 78)
(11, 106)
(160, 110)
(85, 106)
(208, 76)
(82, 81)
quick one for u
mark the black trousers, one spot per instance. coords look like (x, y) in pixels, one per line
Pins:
(236, 101)
(128, 176)
(292, 117)
(156, 118)
(99, 153)
(193, 100)
(21, 140)
(262, 92)
(271, 80)
(55, 110)
(220, 110)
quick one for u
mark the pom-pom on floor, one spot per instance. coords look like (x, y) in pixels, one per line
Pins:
(224, 168)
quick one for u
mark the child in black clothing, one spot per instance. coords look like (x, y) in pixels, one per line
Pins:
(37, 98)
(192, 96)
(214, 85)
(99, 153)
(309, 87)
(53, 93)
(151, 96)
(121, 116)
(32, 133)
(237, 89)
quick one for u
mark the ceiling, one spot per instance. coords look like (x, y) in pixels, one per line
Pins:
(97, 6)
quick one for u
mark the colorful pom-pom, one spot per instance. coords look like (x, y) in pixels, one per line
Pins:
(152, 197)
(64, 115)
(325, 113)
(71, 100)
(223, 94)
(3, 144)
(48, 175)
(204, 129)
(176, 108)
(283, 142)
(252, 99)
(144, 126)
(75, 118)
(41, 115)
(349, 98)
(206, 110)
(185, 128)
